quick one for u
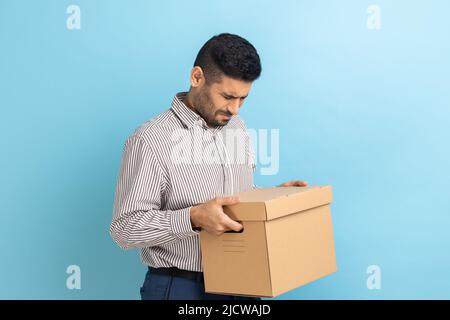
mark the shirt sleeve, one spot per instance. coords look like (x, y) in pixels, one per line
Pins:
(138, 220)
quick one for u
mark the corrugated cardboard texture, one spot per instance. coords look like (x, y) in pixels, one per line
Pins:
(271, 203)
(287, 242)
(237, 260)
(300, 242)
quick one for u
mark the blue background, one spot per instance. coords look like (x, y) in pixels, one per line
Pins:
(366, 111)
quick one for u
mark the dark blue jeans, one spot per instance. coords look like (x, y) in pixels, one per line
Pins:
(166, 287)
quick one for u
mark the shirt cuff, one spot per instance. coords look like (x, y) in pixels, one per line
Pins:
(180, 221)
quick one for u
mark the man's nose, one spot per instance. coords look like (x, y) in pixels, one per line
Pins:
(234, 107)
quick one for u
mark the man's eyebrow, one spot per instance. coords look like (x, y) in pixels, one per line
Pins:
(233, 96)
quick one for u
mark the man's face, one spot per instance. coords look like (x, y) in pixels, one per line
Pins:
(217, 102)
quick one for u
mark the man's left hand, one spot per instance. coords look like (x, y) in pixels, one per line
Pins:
(294, 183)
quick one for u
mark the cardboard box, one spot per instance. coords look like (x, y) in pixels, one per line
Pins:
(287, 241)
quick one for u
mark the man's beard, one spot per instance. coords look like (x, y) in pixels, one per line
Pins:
(205, 109)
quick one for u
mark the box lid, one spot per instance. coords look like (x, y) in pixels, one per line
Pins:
(270, 203)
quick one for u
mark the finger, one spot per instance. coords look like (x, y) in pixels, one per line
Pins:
(296, 183)
(225, 201)
(233, 225)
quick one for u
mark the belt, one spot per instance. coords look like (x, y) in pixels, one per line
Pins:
(175, 272)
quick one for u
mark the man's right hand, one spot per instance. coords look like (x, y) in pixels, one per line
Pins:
(210, 216)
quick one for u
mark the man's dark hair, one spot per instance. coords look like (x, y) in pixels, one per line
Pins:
(230, 55)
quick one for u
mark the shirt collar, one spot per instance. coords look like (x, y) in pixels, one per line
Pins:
(189, 117)
(186, 115)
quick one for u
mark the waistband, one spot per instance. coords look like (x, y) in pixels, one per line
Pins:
(175, 272)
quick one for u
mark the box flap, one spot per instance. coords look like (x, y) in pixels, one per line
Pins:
(271, 203)
(305, 198)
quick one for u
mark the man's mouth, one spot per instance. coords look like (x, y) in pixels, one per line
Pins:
(225, 116)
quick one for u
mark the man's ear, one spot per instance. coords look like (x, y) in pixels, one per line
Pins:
(197, 77)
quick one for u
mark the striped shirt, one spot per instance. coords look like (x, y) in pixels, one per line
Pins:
(169, 164)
